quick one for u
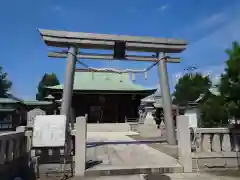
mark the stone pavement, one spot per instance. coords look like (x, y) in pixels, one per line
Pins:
(128, 157)
(175, 176)
(135, 156)
(122, 159)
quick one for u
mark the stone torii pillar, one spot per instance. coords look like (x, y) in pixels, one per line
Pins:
(167, 101)
(67, 95)
(69, 82)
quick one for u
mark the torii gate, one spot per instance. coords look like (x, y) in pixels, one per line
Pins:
(119, 44)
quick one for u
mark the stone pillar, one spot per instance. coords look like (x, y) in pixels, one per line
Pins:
(216, 143)
(184, 143)
(28, 135)
(226, 143)
(80, 145)
(167, 101)
(68, 82)
(67, 95)
(206, 142)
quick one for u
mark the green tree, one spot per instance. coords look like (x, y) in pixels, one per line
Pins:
(213, 112)
(5, 84)
(230, 81)
(47, 80)
(190, 87)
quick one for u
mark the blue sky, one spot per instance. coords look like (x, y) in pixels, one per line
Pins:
(208, 26)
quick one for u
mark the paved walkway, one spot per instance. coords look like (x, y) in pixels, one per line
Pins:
(137, 155)
(179, 176)
(234, 175)
(190, 176)
(127, 156)
(123, 158)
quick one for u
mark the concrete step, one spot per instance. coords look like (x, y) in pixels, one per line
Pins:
(51, 171)
(124, 170)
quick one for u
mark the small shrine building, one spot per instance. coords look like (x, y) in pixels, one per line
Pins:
(105, 97)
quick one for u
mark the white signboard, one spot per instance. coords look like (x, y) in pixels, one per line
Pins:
(49, 131)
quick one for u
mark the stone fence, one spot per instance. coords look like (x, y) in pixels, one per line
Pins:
(216, 140)
(215, 148)
(207, 148)
(14, 154)
(12, 146)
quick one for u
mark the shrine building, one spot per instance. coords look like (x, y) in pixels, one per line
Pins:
(104, 96)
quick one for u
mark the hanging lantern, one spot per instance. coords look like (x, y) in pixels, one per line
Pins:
(92, 75)
(110, 63)
(145, 75)
(133, 77)
(120, 77)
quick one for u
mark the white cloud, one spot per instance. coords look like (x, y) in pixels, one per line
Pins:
(132, 9)
(208, 53)
(164, 7)
(57, 8)
(214, 72)
(211, 48)
(217, 20)
(213, 20)
(176, 77)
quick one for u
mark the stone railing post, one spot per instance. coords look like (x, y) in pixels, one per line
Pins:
(184, 143)
(28, 135)
(80, 145)
(2, 151)
(215, 139)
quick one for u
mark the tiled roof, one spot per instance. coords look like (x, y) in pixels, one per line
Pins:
(28, 103)
(153, 97)
(8, 100)
(35, 103)
(103, 81)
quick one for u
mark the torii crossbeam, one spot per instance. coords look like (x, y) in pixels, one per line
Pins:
(120, 45)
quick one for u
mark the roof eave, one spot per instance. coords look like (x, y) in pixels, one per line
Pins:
(76, 91)
(38, 103)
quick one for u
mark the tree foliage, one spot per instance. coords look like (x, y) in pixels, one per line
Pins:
(213, 112)
(190, 87)
(5, 84)
(47, 80)
(230, 81)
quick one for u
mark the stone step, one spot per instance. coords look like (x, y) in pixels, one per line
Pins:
(123, 170)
